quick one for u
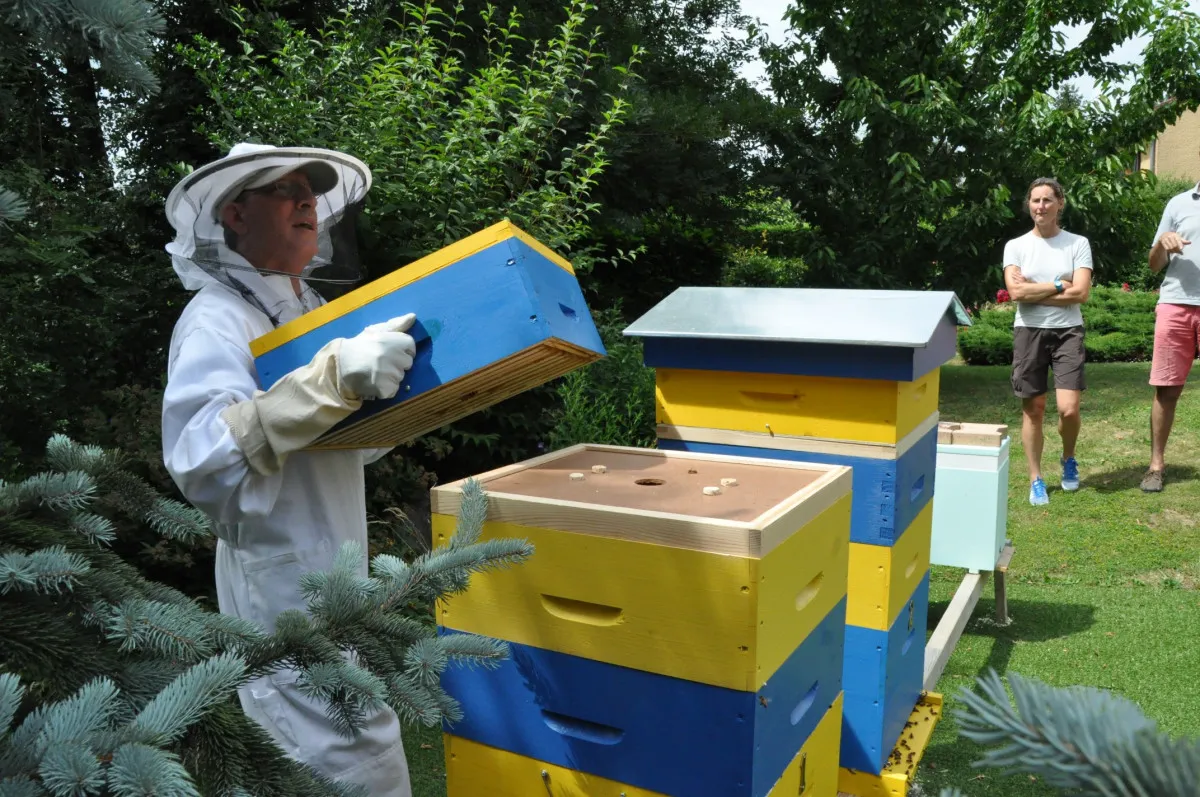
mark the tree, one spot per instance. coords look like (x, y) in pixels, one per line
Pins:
(907, 133)
(1082, 739)
(114, 684)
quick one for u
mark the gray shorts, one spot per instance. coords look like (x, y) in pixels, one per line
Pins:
(1038, 350)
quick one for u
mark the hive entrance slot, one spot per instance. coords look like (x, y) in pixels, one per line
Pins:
(650, 482)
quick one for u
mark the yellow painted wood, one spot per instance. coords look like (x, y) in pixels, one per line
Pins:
(862, 410)
(725, 620)
(476, 770)
(883, 577)
(814, 770)
(898, 774)
(405, 275)
(799, 583)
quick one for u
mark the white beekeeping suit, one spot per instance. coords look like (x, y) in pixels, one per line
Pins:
(236, 451)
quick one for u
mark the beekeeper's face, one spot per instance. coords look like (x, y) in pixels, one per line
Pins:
(275, 225)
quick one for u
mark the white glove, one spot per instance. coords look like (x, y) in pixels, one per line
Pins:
(312, 399)
(371, 365)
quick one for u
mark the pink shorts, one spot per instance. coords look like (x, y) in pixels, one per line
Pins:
(1176, 342)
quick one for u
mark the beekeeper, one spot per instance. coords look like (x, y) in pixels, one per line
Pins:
(254, 230)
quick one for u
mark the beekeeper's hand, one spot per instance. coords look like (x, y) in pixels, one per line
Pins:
(372, 364)
(309, 401)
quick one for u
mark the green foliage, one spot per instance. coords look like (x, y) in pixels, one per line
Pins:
(125, 685)
(1082, 739)
(451, 150)
(1118, 327)
(755, 268)
(907, 134)
(610, 401)
(1133, 270)
(116, 32)
(461, 128)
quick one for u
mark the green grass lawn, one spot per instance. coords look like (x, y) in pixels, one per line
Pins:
(1103, 587)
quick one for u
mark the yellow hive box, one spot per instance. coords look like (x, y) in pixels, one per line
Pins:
(861, 410)
(479, 770)
(636, 566)
(883, 577)
(814, 772)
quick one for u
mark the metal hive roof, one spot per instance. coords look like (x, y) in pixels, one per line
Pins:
(802, 315)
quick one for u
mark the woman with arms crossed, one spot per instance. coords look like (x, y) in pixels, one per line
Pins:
(1048, 273)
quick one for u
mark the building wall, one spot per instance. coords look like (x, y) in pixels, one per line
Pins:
(1178, 149)
(1176, 152)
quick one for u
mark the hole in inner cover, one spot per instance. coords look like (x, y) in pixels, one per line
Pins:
(649, 482)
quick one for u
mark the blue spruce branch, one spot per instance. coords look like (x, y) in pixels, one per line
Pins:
(158, 671)
(49, 570)
(1083, 739)
(167, 630)
(186, 699)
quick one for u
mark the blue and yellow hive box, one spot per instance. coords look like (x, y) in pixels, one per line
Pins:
(679, 629)
(498, 313)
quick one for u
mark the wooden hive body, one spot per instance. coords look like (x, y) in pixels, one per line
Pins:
(683, 643)
(831, 376)
(497, 314)
(476, 769)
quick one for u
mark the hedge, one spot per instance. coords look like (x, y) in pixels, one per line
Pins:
(1118, 327)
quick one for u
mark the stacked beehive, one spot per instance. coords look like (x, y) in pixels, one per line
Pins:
(837, 377)
(678, 631)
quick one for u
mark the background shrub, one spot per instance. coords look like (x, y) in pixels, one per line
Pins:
(1118, 327)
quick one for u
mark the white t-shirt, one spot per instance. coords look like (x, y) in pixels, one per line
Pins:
(1045, 260)
(1181, 283)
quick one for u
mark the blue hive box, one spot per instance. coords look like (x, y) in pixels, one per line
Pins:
(497, 314)
(667, 735)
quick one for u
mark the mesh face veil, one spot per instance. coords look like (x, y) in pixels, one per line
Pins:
(280, 227)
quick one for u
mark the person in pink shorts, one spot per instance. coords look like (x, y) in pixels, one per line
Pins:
(1176, 322)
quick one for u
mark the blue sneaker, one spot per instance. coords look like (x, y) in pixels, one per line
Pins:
(1070, 479)
(1037, 493)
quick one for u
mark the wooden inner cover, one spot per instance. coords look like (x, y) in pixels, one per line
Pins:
(669, 484)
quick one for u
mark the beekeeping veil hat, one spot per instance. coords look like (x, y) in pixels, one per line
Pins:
(201, 252)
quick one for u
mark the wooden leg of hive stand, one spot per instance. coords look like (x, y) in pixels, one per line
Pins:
(1001, 588)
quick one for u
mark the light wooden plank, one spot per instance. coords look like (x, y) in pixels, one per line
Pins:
(459, 397)
(945, 637)
(804, 506)
(782, 442)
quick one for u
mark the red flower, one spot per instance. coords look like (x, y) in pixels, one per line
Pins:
(1002, 296)
(1125, 287)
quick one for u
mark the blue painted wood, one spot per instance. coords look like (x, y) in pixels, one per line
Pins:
(887, 494)
(664, 734)
(970, 518)
(882, 677)
(893, 363)
(470, 314)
